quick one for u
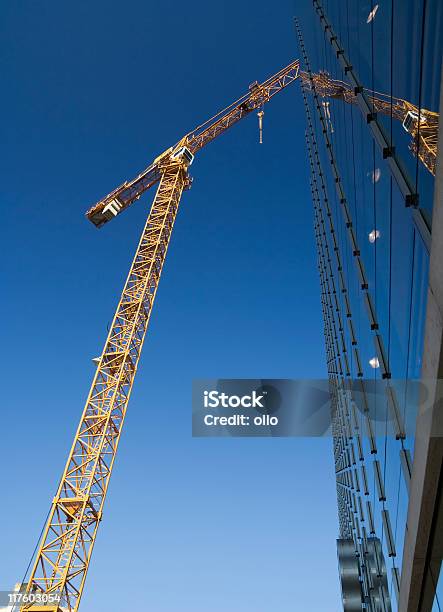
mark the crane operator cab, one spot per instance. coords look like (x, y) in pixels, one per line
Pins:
(410, 122)
(112, 208)
(183, 154)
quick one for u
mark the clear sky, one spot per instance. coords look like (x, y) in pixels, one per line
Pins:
(92, 92)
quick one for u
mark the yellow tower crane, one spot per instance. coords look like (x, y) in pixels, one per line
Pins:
(421, 124)
(59, 570)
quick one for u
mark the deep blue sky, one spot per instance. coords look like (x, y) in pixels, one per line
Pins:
(92, 92)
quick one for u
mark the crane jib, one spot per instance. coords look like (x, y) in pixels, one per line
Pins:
(258, 95)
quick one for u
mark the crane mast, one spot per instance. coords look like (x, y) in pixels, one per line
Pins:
(421, 124)
(61, 563)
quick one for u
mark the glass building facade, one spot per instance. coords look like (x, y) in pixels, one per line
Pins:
(373, 203)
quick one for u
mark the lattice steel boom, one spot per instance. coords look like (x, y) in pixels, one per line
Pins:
(258, 95)
(65, 549)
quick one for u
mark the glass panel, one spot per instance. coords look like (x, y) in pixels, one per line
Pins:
(391, 58)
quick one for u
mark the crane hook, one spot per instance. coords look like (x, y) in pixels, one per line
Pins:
(260, 114)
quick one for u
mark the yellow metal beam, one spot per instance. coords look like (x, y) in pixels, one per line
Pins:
(65, 550)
